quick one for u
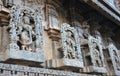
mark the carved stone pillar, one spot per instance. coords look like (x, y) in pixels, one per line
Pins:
(4, 37)
(53, 30)
(0, 38)
(53, 27)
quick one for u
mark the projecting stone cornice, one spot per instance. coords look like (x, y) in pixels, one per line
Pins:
(107, 8)
(4, 15)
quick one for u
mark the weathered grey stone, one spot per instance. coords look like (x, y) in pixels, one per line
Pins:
(25, 35)
(115, 59)
(95, 53)
(70, 47)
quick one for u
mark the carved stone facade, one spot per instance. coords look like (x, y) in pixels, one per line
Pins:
(71, 47)
(25, 32)
(95, 56)
(113, 58)
(59, 38)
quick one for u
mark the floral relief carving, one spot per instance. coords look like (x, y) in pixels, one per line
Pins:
(26, 29)
(71, 46)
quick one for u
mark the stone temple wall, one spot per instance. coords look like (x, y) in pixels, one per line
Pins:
(43, 38)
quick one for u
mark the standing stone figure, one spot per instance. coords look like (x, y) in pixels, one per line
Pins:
(26, 35)
(28, 28)
(96, 56)
(70, 42)
(71, 46)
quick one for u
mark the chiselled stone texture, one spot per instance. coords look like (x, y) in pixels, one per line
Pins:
(25, 35)
(64, 36)
(18, 70)
(108, 6)
(70, 50)
(53, 27)
(96, 56)
(114, 57)
(70, 47)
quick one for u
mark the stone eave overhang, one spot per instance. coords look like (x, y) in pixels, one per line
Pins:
(106, 9)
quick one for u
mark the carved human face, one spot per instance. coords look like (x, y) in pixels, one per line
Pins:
(85, 25)
(26, 20)
(94, 44)
(69, 34)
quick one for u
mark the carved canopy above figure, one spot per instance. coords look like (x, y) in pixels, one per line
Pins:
(71, 46)
(95, 56)
(25, 34)
(27, 26)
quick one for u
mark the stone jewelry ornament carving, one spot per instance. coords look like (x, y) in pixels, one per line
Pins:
(71, 46)
(28, 28)
(114, 55)
(25, 34)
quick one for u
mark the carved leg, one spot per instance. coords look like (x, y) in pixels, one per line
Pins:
(94, 63)
(69, 55)
(99, 62)
(30, 49)
(23, 47)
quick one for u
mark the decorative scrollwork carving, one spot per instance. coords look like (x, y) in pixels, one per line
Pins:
(26, 28)
(70, 42)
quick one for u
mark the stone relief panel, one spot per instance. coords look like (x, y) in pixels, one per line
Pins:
(114, 56)
(25, 31)
(95, 56)
(71, 46)
(95, 52)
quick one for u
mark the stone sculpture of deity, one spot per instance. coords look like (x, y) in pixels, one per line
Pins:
(26, 34)
(70, 42)
(96, 56)
(27, 24)
(71, 46)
